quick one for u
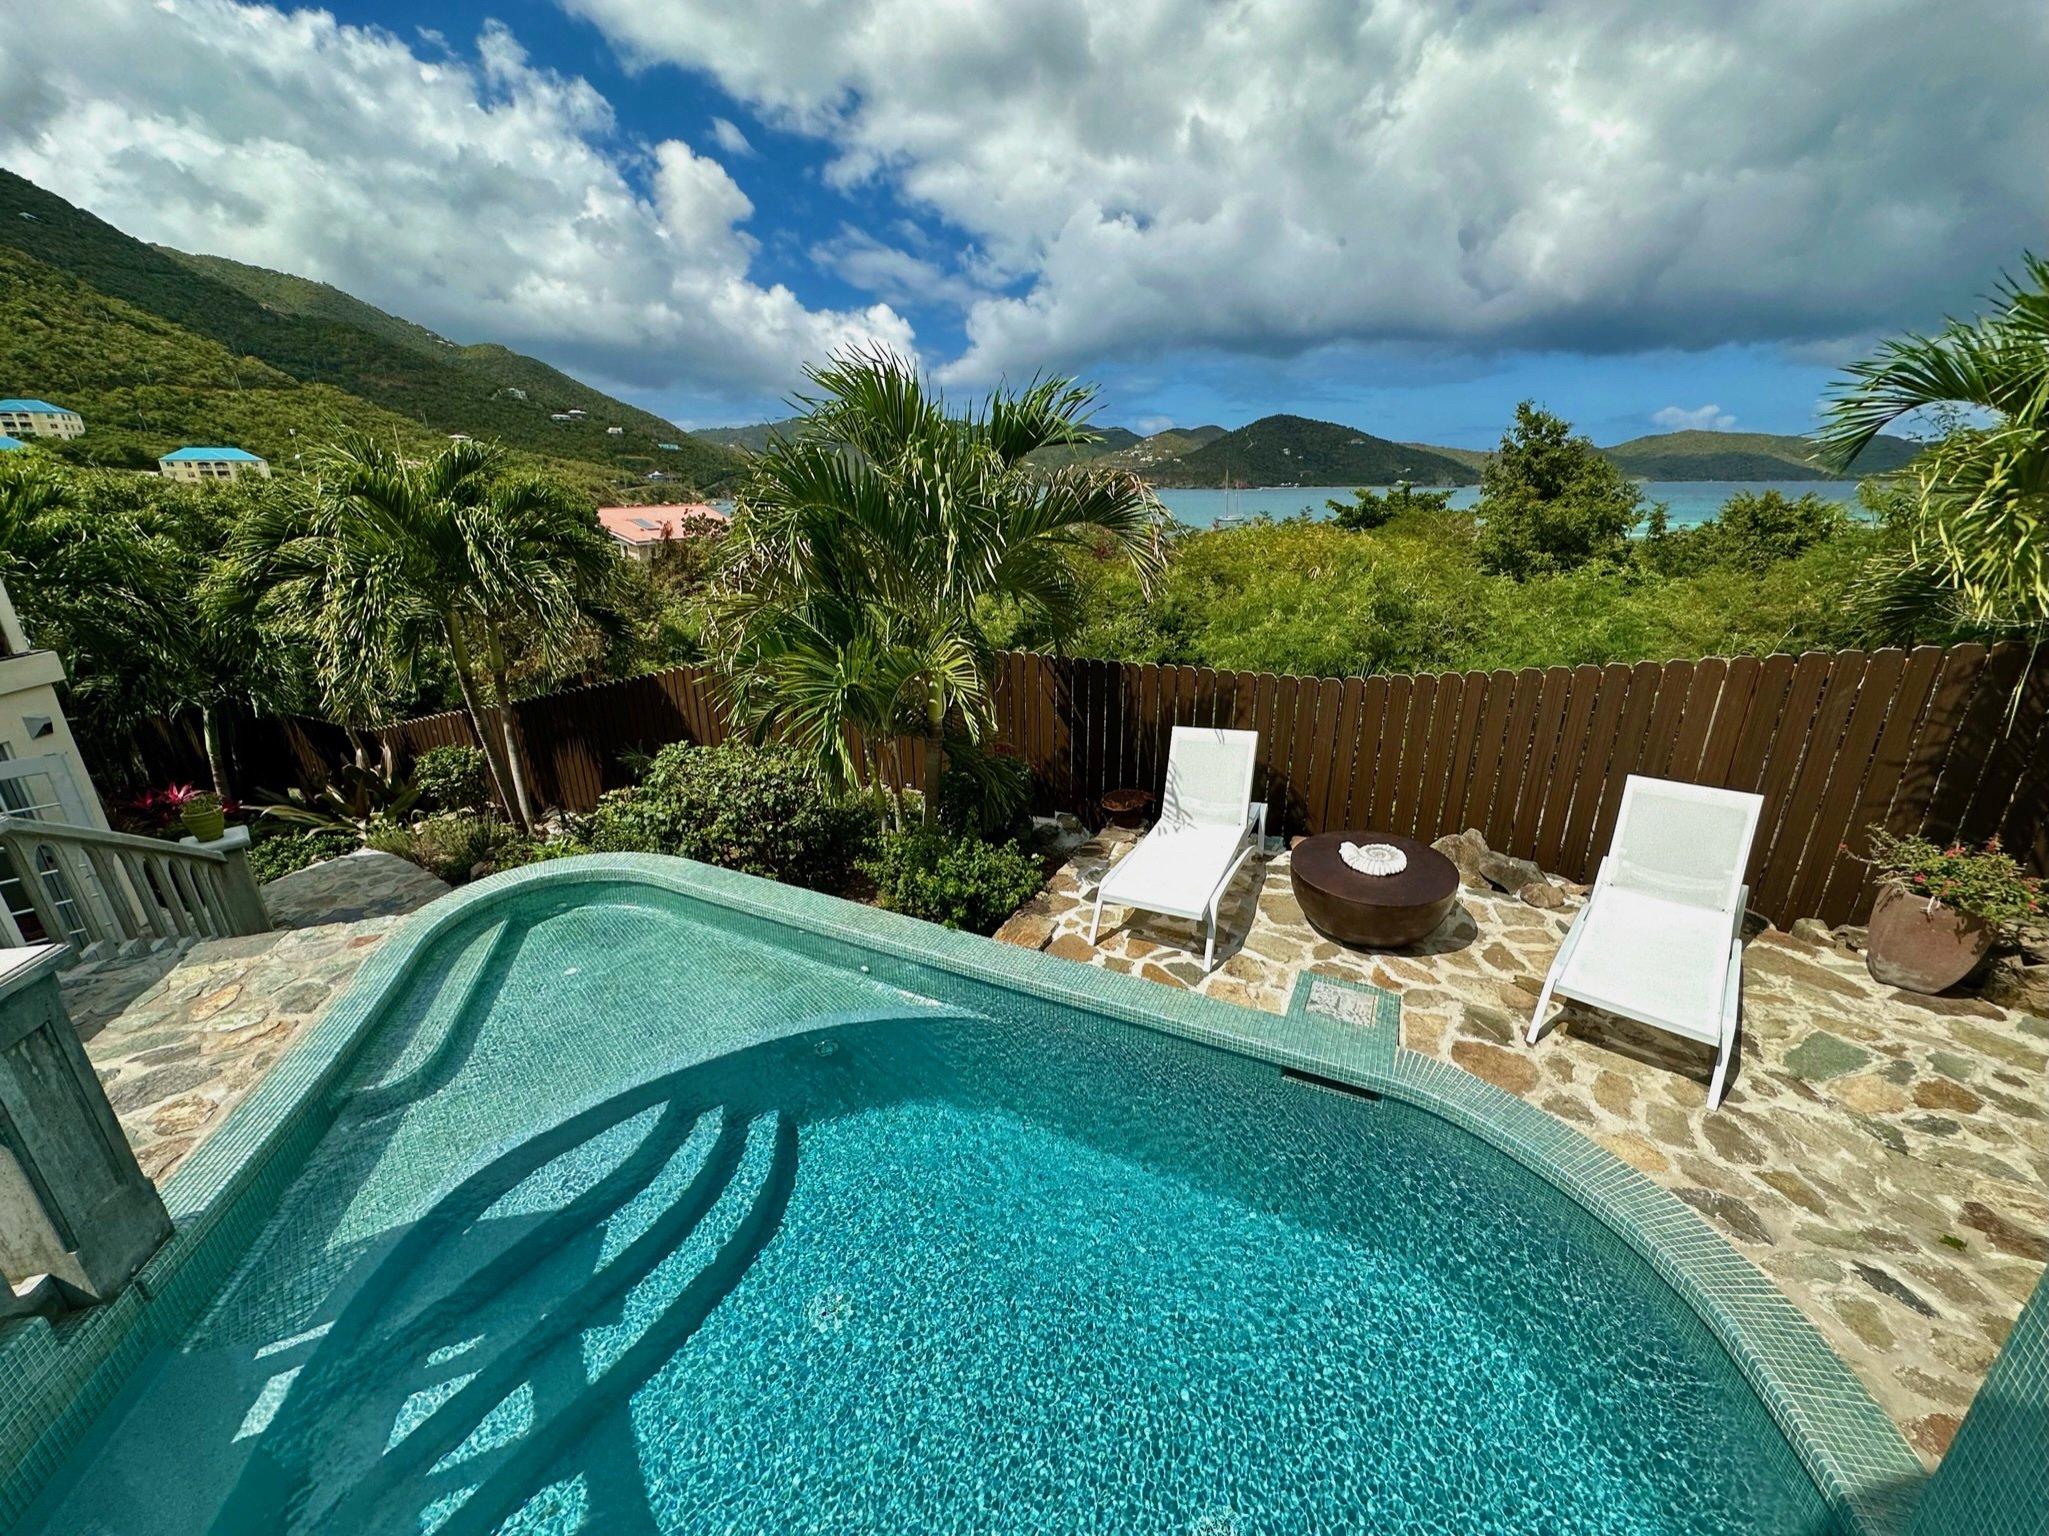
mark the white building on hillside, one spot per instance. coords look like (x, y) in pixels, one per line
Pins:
(39, 418)
(197, 464)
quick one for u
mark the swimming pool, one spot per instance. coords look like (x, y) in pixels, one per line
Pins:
(642, 1211)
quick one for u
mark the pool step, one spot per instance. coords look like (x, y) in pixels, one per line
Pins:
(482, 1349)
(435, 1015)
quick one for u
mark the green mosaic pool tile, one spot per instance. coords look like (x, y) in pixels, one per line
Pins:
(1995, 1480)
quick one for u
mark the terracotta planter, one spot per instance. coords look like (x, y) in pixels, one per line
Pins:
(205, 823)
(1920, 947)
(1127, 807)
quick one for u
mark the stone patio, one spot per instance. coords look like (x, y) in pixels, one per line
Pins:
(180, 1035)
(1883, 1157)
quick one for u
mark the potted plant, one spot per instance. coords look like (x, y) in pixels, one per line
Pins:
(1939, 908)
(204, 816)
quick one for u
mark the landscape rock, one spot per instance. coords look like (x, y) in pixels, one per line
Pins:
(1811, 930)
(1508, 873)
(1541, 893)
(1465, 849)
(2014, 982)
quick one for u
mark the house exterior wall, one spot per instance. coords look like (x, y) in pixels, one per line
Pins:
(196, 471)
(32, 722)
(42, 424)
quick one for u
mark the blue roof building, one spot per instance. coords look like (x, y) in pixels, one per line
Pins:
(9, 444)
(197, 455)
(211, 464)
(39, 418)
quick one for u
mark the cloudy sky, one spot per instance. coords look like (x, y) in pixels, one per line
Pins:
(1403, 214)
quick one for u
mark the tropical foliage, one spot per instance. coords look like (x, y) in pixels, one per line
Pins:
(754, 809)
(1550, 502)
(1974, 530)
(871, 551)
(378, 559)
(955, 880)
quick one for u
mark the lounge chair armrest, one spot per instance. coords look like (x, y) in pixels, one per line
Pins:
(1255, 813)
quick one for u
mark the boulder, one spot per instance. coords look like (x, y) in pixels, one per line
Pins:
(1508, 873)
(1541, 893)
(1465, 849)
(1811, 930)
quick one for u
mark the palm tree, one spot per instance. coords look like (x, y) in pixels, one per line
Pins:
(868, 552)
(1978, 514)
(380, 561)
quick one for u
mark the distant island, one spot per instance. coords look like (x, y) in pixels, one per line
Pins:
(1287, 450)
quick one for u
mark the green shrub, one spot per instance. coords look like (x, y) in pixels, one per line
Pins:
(760, 810)
(282, 852)
(1982, 882)
(960, 882)
(454, 845)
(452, 778)
(987, 794)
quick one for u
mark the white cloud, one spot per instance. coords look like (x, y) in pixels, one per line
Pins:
(727, 135)
(1273, 176)
(490, 200)
(893, 274)
(1704, 418)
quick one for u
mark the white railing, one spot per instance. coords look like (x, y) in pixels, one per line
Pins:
(85, 887)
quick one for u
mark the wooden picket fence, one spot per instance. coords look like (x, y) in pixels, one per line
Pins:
(1951, 742)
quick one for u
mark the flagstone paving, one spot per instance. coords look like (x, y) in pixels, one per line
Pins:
(1883, 1157)
(180, 1035)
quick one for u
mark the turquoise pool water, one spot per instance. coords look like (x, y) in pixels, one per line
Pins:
(638, 1215)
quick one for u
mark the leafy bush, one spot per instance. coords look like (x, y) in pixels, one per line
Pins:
(1753, 532)
(282, 852)
(957, 881)
(452, 778)
(1980, 882)
(985, 793)
(760, 810)
(1549, 501)
(454, 845)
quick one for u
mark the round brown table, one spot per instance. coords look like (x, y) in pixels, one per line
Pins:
(1377, 911)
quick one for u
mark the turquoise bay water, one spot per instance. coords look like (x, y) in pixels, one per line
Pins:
(912, 1258)
(1687, 501)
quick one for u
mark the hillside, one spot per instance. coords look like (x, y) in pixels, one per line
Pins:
(1293, 450)
(317, 335)
(1744, 456)
(750, 439)
(145, 386)
(754, 438)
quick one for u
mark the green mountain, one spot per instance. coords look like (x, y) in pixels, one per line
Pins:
(1745, 456)
(1293, 450)
(145, 386)
(1474, 459)
(316, 335)
(750, 439)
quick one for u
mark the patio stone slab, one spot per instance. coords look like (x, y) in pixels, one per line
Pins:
(1882, 1157)
(181, 1034)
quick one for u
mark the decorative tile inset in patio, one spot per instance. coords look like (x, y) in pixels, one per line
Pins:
(1883, 1157)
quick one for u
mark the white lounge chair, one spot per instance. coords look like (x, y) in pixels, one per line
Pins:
(1660, 939)
(1209, 823)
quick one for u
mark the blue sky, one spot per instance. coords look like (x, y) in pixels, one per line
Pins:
(1403, 217)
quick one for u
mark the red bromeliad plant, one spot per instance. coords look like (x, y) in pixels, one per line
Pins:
(161, 808)
(1984, 883)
